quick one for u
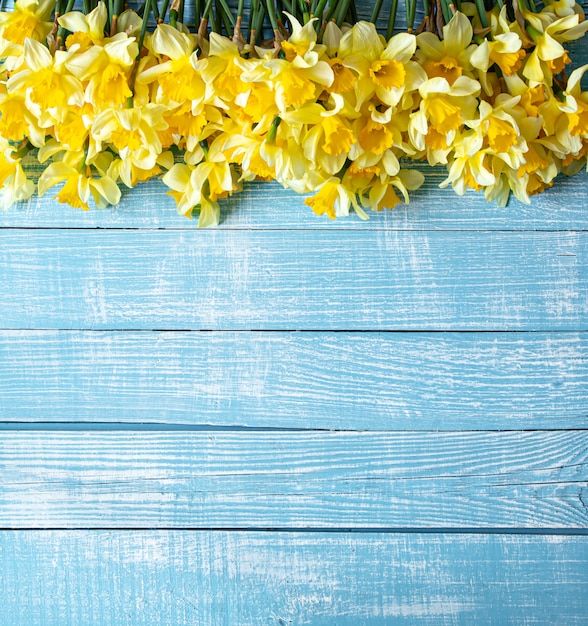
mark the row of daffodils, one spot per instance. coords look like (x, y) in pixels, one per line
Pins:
(341, 119)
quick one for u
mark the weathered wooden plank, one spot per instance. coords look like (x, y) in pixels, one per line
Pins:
(353, 381)
(300, 479)
(268, 205)
(57, 578)
(364, 280)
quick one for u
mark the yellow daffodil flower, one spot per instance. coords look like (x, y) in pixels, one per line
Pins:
(448, 57)
(385, 72)
(133, 133)
(577, 104)
(334, 199)
(105, 70)
(442, 112)
(46, 83)
(86, 30)
(549, 56)
(29, 19)
(14, 183)
(176, 77)
(80, 185)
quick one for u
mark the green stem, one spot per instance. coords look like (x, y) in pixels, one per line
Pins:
(228, 13)
(174, 13)
(135, 70)
(392, 18)
(481, 12)
(155, 10)
(305, 10)
(332, 8)
(163, 11)
(318, 12)
(341, 12)
(352, 13)
(259, 18)
(271, 136)
(376, 11)
(447, 14)
(410, 14)
(224, 21)
(24, 147)
(271, 11)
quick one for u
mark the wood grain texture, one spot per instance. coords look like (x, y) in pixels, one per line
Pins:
(268, 205)
(315, 380)
(362, 280)
(222, 579)
(223, 479)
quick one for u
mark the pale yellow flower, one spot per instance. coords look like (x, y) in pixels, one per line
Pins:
(86, 30)
(133, 133)
(549, 56)
(449, 57)
(384, 71)
(29, 19)
(176, 77)
(46, 84)
(442, 112)
(80, 184)
(334, 199)
(14, 183)
(106, 70)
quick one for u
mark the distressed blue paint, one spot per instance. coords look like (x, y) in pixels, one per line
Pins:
(224, 479)
(265, 205)
(227, 578)
(358, 280)
(315, 380)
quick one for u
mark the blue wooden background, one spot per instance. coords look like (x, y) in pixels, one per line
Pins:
(287, 420)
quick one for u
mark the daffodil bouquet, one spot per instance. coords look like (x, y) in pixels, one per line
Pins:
(298, 91)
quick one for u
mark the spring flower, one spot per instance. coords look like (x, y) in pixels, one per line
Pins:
(86, 30)
(222, 69)
(337, 119)
(30, 19)
(381, 71)
(383, 193)
(46, 84)
(133, 133)
(549, 56)
(324, 135)
(13, 180)
(17, 122)
(577, 104)
(334, 199)
(80, 183)
(442, 112)
(105, 70)
(448, 57)
(177, 79)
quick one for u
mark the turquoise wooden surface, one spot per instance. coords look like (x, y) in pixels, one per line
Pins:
(294, 280)
(280, 578)
(385, 422)
(313, 380)
(300, 479)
